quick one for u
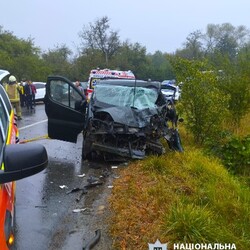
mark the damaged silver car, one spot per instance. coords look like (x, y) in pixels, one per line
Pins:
(124, 119)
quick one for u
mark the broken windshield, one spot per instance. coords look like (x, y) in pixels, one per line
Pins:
(125, 96)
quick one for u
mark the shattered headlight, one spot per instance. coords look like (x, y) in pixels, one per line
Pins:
(126, 130)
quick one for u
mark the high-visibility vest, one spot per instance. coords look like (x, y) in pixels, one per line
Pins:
(21, 89)
(12, 91)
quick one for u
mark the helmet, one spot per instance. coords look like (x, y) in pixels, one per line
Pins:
(12, 79)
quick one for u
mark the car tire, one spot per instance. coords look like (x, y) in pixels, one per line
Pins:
(86, 148)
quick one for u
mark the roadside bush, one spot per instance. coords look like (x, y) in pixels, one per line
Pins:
(237, 87)
(202, 103)
(235, 154)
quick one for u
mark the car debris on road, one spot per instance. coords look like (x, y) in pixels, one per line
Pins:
(93, 241)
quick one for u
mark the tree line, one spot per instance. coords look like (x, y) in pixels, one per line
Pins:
(100, 46)
(223, 48)
(213, 66)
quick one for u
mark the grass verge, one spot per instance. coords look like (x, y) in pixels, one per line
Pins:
(179, 198)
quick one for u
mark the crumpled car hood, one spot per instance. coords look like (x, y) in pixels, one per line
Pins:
(130, 116)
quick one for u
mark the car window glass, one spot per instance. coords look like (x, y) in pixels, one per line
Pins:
(63, 93)
(39, 86)
(84, 85)
(3, 118)
(168, 90)
(124, 96)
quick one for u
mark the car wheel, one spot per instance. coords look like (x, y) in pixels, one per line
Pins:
(87, 147)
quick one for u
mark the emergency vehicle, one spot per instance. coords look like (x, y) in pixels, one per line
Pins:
(99, 74)
(17, 161)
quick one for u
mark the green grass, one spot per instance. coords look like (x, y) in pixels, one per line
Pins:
(185, 197)
(190, 223)
(179, 198)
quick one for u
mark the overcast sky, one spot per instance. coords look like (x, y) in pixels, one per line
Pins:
(156, 24)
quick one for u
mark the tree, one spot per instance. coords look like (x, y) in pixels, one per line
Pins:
(98, 35)
(235, 83)
(58, 60)
(21, 57)
(202, 101)
(192, 47)
(83, 63)
(225, 38)
(131, 57)
(159, 67)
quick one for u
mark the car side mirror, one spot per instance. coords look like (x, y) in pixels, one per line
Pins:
(23, 160)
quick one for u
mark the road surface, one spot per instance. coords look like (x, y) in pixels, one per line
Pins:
(48, 215)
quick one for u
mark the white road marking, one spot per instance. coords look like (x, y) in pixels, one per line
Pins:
(31, 125)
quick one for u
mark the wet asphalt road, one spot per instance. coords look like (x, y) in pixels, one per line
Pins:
(44, 211)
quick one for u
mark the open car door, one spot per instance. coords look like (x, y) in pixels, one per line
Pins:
(65, 107)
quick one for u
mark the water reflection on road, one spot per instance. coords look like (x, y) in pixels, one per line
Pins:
(44, 217)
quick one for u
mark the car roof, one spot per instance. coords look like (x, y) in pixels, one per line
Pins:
(3, 73)
(130, 83)
(39, 83)
(172, 86)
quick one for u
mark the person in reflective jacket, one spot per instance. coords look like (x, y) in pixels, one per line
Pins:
(12, 89)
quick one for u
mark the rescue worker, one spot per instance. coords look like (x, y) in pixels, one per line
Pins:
(12, 89)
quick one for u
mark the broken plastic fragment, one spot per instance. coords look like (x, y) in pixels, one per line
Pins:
(81, 175)
(100, 209)
(84, 191)
(93, 179)
(40, 206)
(78, 210)
(94, 184)
(63, 186)
(74, 190)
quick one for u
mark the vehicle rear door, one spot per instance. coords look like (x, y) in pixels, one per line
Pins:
(65, 107)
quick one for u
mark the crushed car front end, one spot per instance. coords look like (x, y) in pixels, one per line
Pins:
(126, 119)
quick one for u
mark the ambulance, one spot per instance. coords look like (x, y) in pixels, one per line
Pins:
(99, 74)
